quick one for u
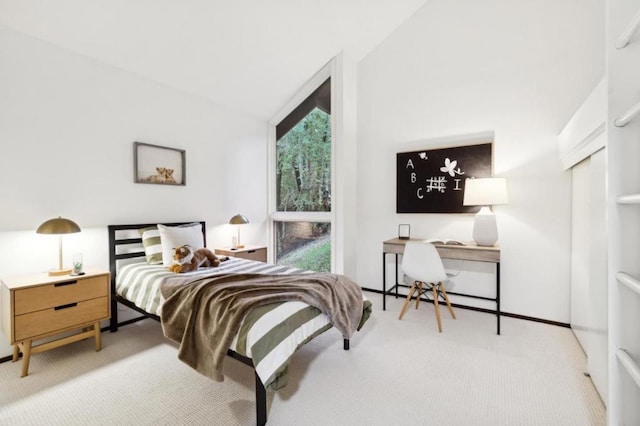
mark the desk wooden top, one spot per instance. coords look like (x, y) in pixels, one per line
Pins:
(470, 251)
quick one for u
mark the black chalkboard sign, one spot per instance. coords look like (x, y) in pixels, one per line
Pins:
(432, 181)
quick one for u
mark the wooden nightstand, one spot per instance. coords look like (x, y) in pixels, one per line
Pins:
(248, 252)
(39, 306)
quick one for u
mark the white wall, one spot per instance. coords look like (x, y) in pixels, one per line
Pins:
(67, 127)
(464, 71)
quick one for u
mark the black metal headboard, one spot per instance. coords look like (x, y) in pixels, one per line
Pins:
(114, 256)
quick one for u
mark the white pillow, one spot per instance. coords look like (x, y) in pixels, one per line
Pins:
(176, 236)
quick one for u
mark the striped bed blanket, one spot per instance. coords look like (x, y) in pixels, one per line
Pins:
(268, 335)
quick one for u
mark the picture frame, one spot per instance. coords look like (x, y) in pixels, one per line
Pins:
(404, 231)
(159, 165)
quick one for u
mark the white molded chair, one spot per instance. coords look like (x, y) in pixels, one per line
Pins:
(422, 264)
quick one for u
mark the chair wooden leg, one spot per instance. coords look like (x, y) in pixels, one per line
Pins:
(446, 298)
(407, 301)
(419, 294)
(437, 307)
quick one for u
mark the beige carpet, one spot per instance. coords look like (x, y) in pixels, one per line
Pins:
(396, 373)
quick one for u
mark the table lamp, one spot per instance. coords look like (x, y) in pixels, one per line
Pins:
(485, 192)
(239, 220)
(59, 226)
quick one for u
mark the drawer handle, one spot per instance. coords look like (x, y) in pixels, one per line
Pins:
(70, 305)
(65, 283)
(251, 251)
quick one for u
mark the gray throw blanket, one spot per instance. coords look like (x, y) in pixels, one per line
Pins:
(204, 316)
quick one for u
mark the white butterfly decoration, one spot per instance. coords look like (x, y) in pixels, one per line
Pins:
(450, 167)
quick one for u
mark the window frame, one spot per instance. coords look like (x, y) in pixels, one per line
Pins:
(328, 71)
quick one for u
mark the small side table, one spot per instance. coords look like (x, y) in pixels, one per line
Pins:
(38, 306)
(247, 252)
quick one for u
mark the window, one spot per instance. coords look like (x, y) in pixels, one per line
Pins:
(305, 245)
(301, 218)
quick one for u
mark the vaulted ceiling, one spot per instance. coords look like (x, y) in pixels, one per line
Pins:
(250, 56)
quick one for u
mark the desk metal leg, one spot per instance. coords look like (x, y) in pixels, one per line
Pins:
(395, 279)
(498, 295)
(384, 282)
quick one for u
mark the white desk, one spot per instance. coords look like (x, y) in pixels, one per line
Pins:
(470, 252)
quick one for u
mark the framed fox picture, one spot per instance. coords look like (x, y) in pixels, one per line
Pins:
(158, 164)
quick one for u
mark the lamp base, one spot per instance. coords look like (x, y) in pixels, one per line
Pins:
(485, 229)
(58, 272)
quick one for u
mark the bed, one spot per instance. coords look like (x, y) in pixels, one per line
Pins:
(258, 343)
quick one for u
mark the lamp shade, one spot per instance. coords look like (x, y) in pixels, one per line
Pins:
(58, 225)
(238, 220)
(485, 192)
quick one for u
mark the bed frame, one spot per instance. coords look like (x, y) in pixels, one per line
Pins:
(137, 251)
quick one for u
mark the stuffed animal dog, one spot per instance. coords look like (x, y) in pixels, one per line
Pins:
(185, 259)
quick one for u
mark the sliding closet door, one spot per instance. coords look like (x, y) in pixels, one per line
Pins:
(589, 265)
(597, 360)
(580, 251)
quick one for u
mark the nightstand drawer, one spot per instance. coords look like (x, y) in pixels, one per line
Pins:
(48, 296)
(249, 252)
(257, 254)
(58, 318)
